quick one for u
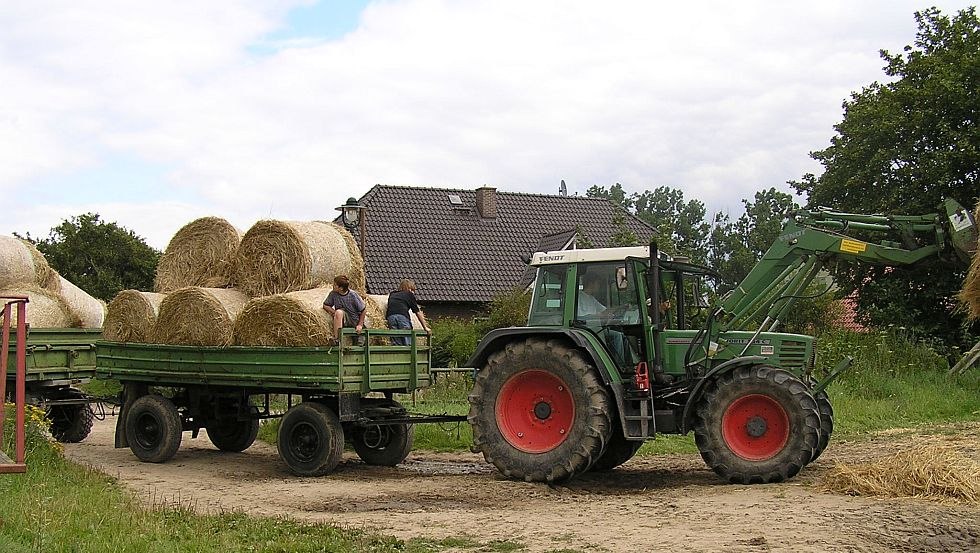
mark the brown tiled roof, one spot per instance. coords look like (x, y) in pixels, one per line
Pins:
(455, 255)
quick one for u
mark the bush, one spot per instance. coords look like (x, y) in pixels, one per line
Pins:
(453, 342)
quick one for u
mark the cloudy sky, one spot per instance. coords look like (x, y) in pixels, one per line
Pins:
(155, 113)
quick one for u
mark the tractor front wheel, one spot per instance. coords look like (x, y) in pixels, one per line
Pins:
(539, 411)
(757, 424)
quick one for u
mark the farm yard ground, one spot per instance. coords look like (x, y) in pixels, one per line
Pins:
(662, 503)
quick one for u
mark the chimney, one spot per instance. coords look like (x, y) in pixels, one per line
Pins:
(486, 202)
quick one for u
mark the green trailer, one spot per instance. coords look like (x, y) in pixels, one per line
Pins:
(346, 394)
(57, 360)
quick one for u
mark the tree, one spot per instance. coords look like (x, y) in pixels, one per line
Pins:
(681, 226)
(735, 246)
(901, 148)
(98, 257)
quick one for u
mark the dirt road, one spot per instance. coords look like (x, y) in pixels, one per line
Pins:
(670, 503)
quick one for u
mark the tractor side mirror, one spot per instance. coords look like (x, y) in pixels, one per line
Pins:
(700, 298)
(622, 280)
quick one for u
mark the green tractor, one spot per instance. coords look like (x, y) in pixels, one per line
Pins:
(611, 357)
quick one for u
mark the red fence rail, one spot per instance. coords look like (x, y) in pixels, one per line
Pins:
(17, 464)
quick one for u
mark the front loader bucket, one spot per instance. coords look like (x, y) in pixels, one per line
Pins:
(962, 229)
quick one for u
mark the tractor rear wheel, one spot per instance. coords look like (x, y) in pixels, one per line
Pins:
(618, 451)
(539, 411)
(70, 424)
(757, 424)
(153, 428)
(826, 422)
(311, 440)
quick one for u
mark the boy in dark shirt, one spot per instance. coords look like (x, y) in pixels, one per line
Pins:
(399, 303)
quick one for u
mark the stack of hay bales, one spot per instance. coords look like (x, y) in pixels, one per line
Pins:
(54, 301)
(265, 288)
(970, 295)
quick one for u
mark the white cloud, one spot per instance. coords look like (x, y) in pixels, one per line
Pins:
(720, 99)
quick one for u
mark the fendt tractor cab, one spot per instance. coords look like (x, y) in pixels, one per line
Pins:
(621, 344)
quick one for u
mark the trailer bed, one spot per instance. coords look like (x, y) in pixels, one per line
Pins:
(58, 356)
(351, 369)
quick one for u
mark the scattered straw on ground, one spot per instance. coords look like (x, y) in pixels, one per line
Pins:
(927, 471)
(131, 315)
(285, 256)
(195, 316)
(45, 308)
(294, 319)
(202, 253)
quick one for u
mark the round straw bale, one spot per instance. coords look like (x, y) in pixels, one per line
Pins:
(293, 319)
(374, 316)
(358, 279)
(196, 316)
(284, 256)
(202, 253)
(131, 316)
(89, 311)
(45, 308)
(21, 264)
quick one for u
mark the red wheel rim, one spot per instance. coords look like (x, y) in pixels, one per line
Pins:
(535, 411)
(755, 427)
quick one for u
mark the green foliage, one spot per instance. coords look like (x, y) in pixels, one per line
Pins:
(510, 308)
(817, 313)
(736, 246)
(453, 342)
(901, 148)
(98, 257)
(681, 226)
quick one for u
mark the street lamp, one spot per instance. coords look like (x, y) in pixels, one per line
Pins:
(354, 215)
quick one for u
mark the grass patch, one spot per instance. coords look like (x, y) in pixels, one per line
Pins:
(895, 383)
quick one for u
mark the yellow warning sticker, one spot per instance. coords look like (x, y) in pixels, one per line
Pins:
(852, 246)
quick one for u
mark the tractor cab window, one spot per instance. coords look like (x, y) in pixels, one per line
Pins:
(607, 304)
(547, 300)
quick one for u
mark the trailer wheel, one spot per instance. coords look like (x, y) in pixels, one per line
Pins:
(311, 440)
(539, 411)
(70, 424)
(757, 425)
(383, 444)
(826, 422)
(233, 435)
(618, 451)
(153, 428)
